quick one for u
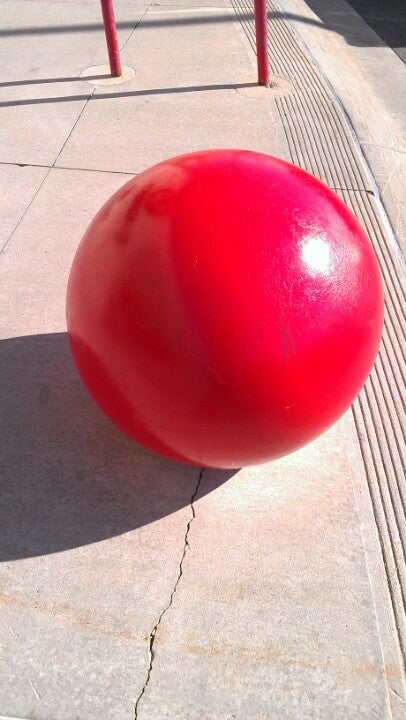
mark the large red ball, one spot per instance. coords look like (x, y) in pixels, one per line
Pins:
(224, 308)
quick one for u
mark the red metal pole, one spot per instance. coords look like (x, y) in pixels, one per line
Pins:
(110, 29)
(261, 33)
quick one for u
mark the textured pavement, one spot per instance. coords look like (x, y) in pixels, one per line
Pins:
(131, 585)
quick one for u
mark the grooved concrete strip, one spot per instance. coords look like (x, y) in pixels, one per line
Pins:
(370, 81)
(321, 140)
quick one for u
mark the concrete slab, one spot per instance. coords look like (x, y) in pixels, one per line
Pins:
(275, 616)
(86, 568)
(45, 46)
(35, 264)
(183, 101)
(283, 608)
(134, 137)
(58, 35)
(18, 186)
(34, 131)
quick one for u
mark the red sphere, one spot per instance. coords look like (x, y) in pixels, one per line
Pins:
(224, 308)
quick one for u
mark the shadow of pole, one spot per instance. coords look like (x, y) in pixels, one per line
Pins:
(127, 25)
(130, 93)
(328, 19)
(51, 81)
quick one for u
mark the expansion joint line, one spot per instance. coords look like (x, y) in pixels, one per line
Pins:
(151, 650)
(136, 25)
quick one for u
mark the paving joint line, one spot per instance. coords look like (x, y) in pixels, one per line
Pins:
(22, 165)
(73, 126)
(67, 167)
(135, 26)
(49, 167)
(10, 237)
(97, 170)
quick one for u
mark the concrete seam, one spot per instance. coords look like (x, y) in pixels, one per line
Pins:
(50, 167)
(66, 167)
(10, 237)
(135, 27)
(90, 95)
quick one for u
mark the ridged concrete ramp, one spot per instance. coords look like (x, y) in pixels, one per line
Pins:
(322, 141)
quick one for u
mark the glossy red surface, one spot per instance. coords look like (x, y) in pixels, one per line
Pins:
(224, 308)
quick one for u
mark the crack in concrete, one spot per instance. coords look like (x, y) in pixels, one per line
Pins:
(36, 693)
(153, 633)
(392, 690)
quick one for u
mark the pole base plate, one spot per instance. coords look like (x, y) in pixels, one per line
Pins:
(248, 85)
(101, 75)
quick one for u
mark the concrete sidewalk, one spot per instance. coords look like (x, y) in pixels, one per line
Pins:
(131, 585)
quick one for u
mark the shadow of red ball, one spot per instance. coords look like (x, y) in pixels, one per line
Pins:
(224, 308)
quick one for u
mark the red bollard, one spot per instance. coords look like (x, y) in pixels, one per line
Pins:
(110, 29)
(261, 33)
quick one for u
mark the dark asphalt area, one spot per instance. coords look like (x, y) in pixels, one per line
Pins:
(388, 19)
